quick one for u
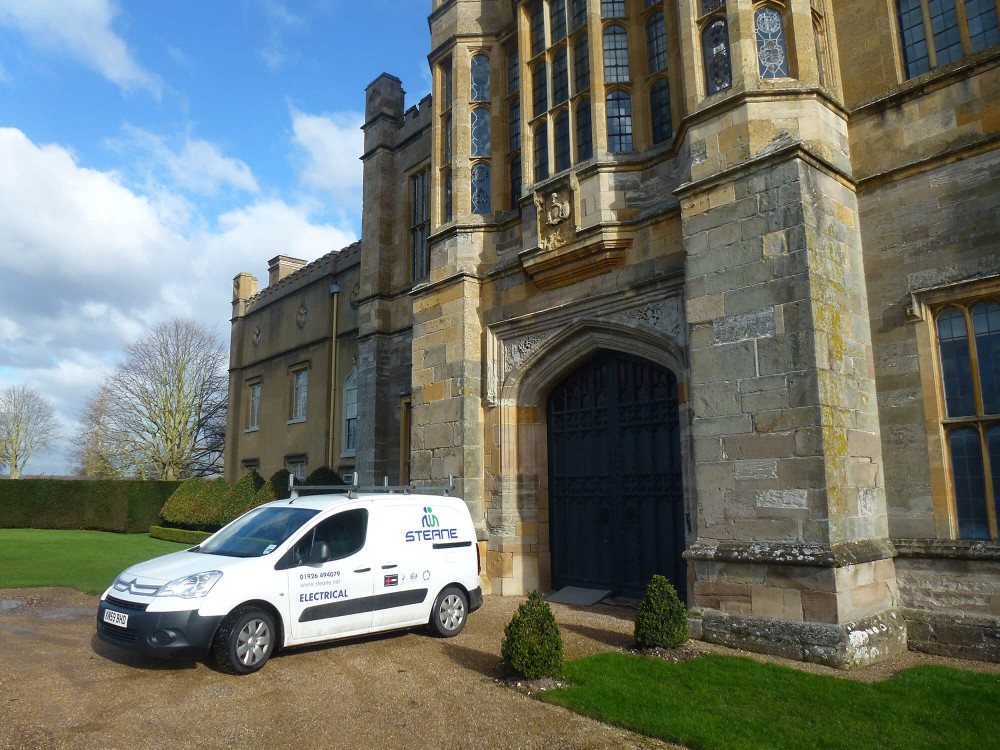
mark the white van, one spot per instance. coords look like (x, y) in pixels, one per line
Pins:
(301, 571)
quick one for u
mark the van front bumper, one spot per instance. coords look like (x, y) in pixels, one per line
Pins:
(185, 634)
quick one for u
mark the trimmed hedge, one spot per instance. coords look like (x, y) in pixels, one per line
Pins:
(240, 497)
(124, 506)
(180, 507)
(184, 536)
(275, 488)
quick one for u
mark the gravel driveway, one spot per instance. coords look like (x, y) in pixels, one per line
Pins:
(61, 687)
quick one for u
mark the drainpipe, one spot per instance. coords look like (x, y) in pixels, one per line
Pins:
(335, 293)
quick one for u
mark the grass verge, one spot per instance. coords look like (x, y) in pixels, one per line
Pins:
(731, 703)
(84, 560)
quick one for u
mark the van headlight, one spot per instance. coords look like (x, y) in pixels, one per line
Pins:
(191, 587)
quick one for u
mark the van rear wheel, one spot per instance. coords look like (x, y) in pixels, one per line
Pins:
(451, 609)
(245, 641)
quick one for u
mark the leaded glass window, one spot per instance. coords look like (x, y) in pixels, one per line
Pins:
(480, 121)
(539, 89)
(659, 105)
(481, 188)
(983, 28)
(707, 6)
(715, 44)
(536, 32)
(615, 54)
(515, 181)
(656, 42)
(581, 64)
(514, 125)
(419, 214)
(541, 152)
(619, 106)
(911, 26)
(560, 77)
(969, 353)
(513, 71)
(584, 135)
(480, 79)
(579, 13)
(561, 141)
(947, 38)
(557, 20)
(446, 79)
(612, 8)
(772, 60)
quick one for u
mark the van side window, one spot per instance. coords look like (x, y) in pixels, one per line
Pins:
(345, 533)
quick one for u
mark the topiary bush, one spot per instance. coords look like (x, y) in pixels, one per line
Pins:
(240, 497)
(275, 488)
(180, 505)
(321, 476)
(532, 644)
(662, 617)
(206, 506)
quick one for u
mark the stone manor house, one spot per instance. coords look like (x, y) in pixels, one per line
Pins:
(709, 288)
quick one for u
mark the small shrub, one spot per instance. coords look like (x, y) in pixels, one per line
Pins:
(662, 617)
(180, 505)
(240, 497)
(532, 644)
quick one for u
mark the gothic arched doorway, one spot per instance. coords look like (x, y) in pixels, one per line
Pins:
(616, 508)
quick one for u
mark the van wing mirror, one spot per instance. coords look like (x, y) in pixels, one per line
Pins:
(318, 553)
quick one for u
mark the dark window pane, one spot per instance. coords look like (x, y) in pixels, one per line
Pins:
(970, 486)
(956, 367)
(584, 135)
(560, 77)
(446, 78)
(513, 70)
(536, 23)
(656, 42)
(515, 181)
(581, 65)
(983, 29)
(993, 449)
(911, 27)
(579, 13)
(539, 89)
(615, 54)
(659, 104)
(612, 8)
(944, 23)
(447, 196)
(514, 124)
(562, 141)
(715, 44)
(619, 122)
(446, 141)
(707, 6)
(557, 20)
(986, 325)
(541, 152)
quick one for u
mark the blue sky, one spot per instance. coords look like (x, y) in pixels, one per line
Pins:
(150, 150)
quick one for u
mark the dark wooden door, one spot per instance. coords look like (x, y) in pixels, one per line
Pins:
(616, 508)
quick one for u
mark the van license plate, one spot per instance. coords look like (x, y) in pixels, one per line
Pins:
(116, 618)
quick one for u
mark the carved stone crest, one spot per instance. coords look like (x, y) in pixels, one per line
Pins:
(554, 226)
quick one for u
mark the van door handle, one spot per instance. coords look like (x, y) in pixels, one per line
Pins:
(389, 567)
(362, 570)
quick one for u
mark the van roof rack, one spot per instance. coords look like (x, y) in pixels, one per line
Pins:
(353, 490)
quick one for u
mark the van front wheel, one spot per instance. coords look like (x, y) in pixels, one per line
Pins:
(451, 608)
(245, 641)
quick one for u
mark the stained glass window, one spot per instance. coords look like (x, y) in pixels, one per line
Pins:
(480, 117)
(772, 61)
(481, 188)
(659, 105)
(715, 44)
(480, 79)
(656, 42)
(619, 106)
(584, 135)
(615, 54)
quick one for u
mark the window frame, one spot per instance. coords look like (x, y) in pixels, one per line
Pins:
(299, 410)
(931, 44)
(253, 405)
(349, 418)
(420, 264)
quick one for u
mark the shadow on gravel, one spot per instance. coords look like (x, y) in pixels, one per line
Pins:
(607, 637)
(483, 662)
(137, 661)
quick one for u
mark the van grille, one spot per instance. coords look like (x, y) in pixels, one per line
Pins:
(119, 634)
(122, 604)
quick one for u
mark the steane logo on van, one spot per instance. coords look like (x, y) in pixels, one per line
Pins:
(430, 531)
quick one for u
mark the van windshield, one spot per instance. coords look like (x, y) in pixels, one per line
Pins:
(257, 533)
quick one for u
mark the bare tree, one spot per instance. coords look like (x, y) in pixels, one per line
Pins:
(161, 413)
(27, 424)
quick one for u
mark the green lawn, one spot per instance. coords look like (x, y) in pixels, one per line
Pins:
(731, 703)
(83, 560)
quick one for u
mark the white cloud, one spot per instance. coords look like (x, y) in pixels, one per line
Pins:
(196, 166)
(80, 30)
(280, 19)
(330, 148)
